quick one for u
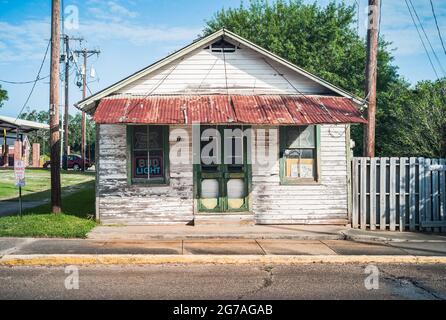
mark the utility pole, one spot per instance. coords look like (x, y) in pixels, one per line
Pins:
(86, 54)
(67, 58)
(56, 201)
(65, 122)
(371, 76)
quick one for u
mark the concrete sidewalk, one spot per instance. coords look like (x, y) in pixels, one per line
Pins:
(218, 231)
(222, 247)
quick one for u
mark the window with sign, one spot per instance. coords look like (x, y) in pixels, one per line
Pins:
(149, 154)
(299, 154)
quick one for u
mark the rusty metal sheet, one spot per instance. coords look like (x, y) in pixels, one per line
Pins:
(224, 109)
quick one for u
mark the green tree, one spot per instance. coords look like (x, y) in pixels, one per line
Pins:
(321, 40)
(40, 136)
(414, 122)
(3, 96)
(75, 136)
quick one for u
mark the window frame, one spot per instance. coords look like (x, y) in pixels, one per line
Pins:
(284, 180)
(165, 181)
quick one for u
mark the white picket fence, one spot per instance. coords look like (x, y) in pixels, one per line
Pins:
(399, 194)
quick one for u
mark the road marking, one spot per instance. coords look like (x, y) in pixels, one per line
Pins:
(60, 260)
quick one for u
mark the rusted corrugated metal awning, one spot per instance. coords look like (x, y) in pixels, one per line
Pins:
(223, 109)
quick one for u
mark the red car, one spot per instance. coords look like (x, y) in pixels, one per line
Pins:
(74, 162)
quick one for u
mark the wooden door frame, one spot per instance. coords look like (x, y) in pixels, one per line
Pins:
(223, 176)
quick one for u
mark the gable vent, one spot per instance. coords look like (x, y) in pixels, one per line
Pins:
(222, 46)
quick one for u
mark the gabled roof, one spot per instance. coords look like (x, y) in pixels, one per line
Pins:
(89, 103)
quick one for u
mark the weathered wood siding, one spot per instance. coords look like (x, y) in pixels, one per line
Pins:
(323, 203)
(121, 203)
(205, 72)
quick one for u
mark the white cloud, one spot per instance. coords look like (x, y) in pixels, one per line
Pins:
(25, 41)
(121, 10)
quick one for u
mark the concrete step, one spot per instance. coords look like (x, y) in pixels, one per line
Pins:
(224, 219)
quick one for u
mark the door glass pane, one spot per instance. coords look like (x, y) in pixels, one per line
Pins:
(233, 146)
(209, 193)
(209, 146)
(236, 193)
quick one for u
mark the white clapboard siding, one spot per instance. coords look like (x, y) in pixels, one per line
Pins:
(121, 203)
(241, 72)
(399, 194)
(323, 203)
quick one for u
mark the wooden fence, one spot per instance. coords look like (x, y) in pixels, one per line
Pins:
(399, 194)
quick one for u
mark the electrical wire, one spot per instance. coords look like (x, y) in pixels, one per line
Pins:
(25, 82)
(427, 38)
(35, 82)
(438, 28)
(421, 39)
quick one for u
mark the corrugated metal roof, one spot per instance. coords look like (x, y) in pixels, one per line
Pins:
(223, 109)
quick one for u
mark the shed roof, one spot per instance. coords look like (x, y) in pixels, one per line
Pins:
(11, 124)
(228, 109)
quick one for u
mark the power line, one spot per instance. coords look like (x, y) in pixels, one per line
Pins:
(421, 38)
(25, 82)
(438, 28)
(427, 38)
(35, 82)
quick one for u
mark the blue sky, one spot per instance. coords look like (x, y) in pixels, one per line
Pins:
(134, 33)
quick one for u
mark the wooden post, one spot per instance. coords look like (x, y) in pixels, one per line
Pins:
(371, 76)
(54, 108)
(36, 155)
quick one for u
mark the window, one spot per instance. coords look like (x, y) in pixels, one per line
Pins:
(149, 154)
(299, 154)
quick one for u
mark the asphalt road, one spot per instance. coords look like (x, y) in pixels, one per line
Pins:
(314, 281)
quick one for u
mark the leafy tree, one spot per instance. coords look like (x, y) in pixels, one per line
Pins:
(3, 96)
(321, 40)
(39, 136)
(414, 123)
(74, 136)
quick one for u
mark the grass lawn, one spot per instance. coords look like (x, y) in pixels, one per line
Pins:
(78, 198)
(38, 183)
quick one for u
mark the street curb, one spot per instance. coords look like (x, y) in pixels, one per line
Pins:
(62, 260)
(374, 238)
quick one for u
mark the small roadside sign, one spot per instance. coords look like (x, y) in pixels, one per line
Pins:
(19, 173)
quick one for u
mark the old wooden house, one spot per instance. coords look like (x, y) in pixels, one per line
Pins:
(222, 81)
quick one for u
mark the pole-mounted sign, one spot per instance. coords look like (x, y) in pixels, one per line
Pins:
(19, 173)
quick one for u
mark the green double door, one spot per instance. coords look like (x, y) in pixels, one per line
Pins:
(223, 176)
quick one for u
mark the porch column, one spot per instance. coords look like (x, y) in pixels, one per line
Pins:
(17, 150)
(36, 155)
